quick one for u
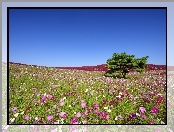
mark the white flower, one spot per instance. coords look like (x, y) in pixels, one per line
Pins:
(109, 110)
(16, 115)
(119, 96)
(22, 112)
(103, 95)
(137, 114)
(12, 119)
(86, 90)
(116, 118)
(105, 108)
(36, 119)
(69, 106)
(64, 98)
(62, 120)
(120, 93)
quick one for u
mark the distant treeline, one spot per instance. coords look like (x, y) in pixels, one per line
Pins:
(102, 67)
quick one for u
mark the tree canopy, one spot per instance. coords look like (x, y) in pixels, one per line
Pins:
(124, 63)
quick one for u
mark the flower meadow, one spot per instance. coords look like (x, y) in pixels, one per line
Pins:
(43, 95)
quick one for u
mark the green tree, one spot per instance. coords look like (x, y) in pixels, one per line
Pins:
(124, 63)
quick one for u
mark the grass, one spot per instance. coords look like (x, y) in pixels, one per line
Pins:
(41, 95)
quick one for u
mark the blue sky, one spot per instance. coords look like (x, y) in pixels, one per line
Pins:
(85, 37)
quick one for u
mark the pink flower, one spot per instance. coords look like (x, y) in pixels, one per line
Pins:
(83, 104)
(49, 118)
(26, 118)
(144, 116)
(74, 120)
(104, 115)
(73, 103)
(63, 114)
(142, 110)
(61, 102)
(44, 98)
(151, 122)
(78, 115)
(56, 122)
(50, 97)
(96, 111)
(154, 110)
(86, 112)
(14, 109)
(84, 122)
(55, 106)
(95, 106)
(119, 116)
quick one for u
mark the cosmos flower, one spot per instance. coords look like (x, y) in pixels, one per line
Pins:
(43, 100)
(49, 118)
(142, 110)
(26, 118)
(63, 114)
(96, 106)
(61, 102)
(154, 110)
(132, 116)
(78, 115)
(83, 104)
(151, 122)
(14, 109)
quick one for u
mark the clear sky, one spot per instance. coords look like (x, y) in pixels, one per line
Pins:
(85, 37)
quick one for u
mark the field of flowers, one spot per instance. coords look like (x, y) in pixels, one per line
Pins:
(41, 95)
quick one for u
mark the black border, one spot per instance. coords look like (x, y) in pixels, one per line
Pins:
(8, 9)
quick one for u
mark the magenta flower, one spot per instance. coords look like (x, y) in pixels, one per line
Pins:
(44, 98)
(78, 115)
(14, 109)
(154, 110)
(63, 114)
(83, 104)
(142, 110)
(132, 116)
(74, 120)
(103, 115)
(26, 118)
(151, 122)
(95, 106)
(49, 118)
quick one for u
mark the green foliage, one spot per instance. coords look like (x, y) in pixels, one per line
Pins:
(123, 63)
